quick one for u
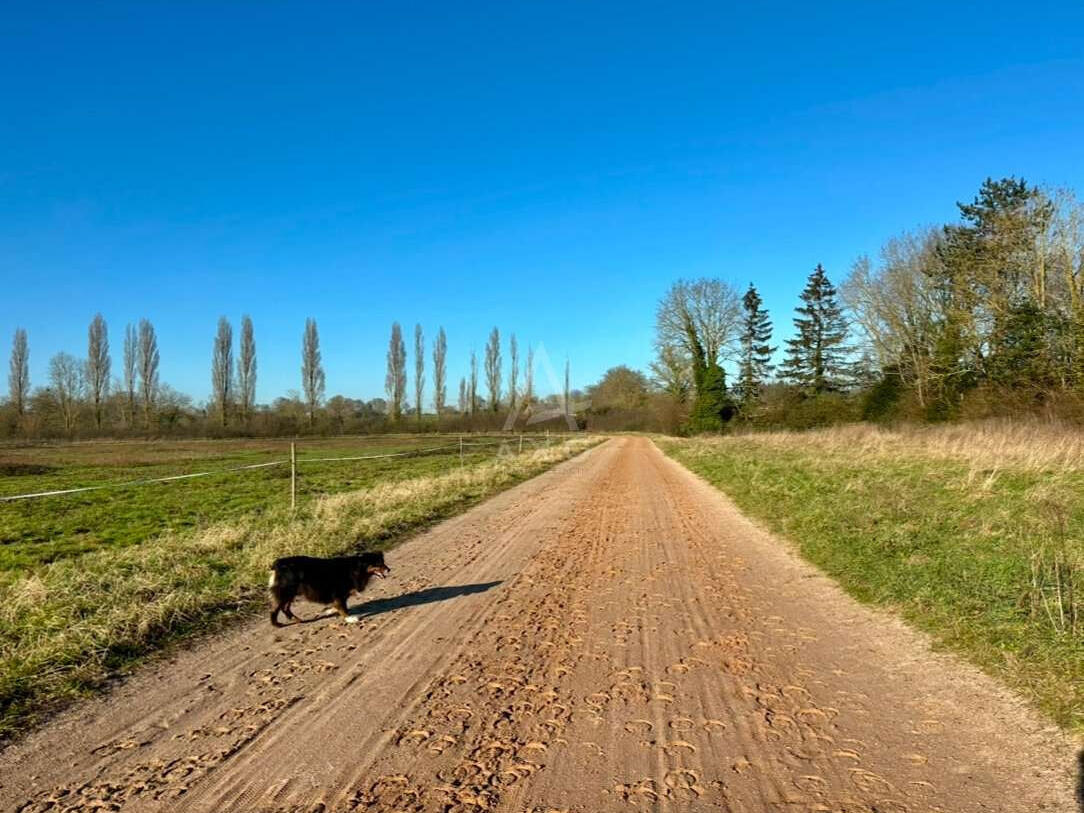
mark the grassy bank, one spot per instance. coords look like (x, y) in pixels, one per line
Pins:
(68, 625)
(973, 533)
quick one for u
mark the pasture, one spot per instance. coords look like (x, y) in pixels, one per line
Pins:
(42, 530)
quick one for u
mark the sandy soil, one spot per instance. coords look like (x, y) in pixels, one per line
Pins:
(610, 635)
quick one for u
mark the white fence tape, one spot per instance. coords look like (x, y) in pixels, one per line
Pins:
(300, 460)
(376, 456)
(140, 482)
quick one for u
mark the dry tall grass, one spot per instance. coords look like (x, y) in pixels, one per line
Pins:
(65, 626)
(1023, 445)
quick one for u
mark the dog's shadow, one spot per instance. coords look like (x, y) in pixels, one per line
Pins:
(429, 595)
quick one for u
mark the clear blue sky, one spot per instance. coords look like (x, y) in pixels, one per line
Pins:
(547, 167)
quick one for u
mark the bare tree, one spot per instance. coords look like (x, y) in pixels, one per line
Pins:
(19, 371)
(246, 370)
(148, 369)
(131, 370)
(568, 390)
(464, 402)
(513, 372)
(312, 369)
(222, 368)
(395, 380)
(472, 390)
(419, 372)
(528, 380)
(1066, 246)
(493, 369)
(440, 390)
(66, 382)
(895, 307)
(98, 366)
(702, 317)
(672, 372)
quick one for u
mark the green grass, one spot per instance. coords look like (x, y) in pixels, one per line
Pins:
(39, 531)
(69, 624)
(972, 548)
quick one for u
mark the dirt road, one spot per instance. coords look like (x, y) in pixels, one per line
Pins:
(612, 635)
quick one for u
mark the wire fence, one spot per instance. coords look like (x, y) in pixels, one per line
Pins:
(294, 462)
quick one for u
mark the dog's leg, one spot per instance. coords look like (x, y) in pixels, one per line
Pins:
(340, 608)
(275, 616)
(286, 608)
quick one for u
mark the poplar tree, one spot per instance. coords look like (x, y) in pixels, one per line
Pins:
(513, 372)
(472, 387)
(19, 371)
(148, 359)
(246, 370)
(222, 369)
(440, 372)
(312, 369)
(97, 366)
(493, 369)
(419, 371)
(131, 371)
(395, 380)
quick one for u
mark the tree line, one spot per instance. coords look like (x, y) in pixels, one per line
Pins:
(83, 389)
(980, 317)
(83, 398)
(985, 315)
(704, 326)
(491, 407)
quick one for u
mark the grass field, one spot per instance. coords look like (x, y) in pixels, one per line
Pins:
(39, 531)
(973, 533)
(126, 574)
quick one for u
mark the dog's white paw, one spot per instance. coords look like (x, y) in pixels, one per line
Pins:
(352, 619)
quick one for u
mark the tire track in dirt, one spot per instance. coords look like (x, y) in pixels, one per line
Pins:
(647, 648)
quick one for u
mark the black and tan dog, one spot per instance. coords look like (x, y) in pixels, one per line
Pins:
(325, 581)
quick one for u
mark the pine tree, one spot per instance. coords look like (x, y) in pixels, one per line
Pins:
(755, 363)
(816, 356)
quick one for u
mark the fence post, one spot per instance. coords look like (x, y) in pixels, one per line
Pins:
(293, 475)
(460, 451)
(521, 443)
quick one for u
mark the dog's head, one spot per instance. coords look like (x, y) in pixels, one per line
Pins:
(372, 564)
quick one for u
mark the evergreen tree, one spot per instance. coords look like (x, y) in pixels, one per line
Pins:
(713, 406)
(817, 356)
(755, 363)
